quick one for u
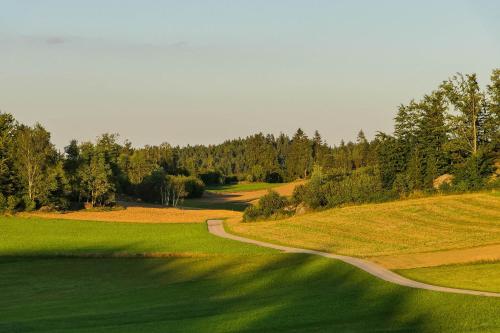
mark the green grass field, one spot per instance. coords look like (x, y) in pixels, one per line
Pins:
(219, 286)
(480, 276)
(285, 293)
(242, 187)
(42, 237)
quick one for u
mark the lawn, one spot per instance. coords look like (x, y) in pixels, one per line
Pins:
(479, 276)
(393, 228)
(242, 187)
(285, 293)
(36, 236)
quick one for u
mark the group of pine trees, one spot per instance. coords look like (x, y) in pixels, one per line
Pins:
(454, 130)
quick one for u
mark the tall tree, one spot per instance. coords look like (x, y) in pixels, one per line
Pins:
(7, 128)
(465, 96)
(34, 154)
(95, 177)
(361, 150)
(491, 123)
(299, 156)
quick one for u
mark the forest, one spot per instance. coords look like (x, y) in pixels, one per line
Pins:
(448, 140)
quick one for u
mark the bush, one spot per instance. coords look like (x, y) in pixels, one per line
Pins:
(299, 194)
(3, 203)
(230, 180)
(270, 205)
(251, 213)
(274, 177)
(211, 178)
(28, 204)
(338, 188)
(12, 203)
(194, 187)
(361, 186)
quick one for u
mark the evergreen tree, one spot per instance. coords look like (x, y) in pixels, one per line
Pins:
(299, 156)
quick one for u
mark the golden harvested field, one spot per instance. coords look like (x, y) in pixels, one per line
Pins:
(252, 196)
(143, 215)
(393, 229)
(430, 259)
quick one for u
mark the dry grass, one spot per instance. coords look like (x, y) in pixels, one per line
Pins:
(395, 228)
(431, 259)
(143, 215)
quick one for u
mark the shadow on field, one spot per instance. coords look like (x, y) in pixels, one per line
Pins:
(210, 201)
(283, 292)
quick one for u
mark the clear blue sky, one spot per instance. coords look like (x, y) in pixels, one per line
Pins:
(203, 71)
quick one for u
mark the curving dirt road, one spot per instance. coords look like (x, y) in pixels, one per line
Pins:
(216, 227)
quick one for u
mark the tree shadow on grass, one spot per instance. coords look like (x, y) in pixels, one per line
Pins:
(211, 202)
(269, 293)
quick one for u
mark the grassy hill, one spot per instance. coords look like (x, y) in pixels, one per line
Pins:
(392, 228)
(412, 237)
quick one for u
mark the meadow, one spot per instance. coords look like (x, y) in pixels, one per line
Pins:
(279, 293)
(393, 228)
(49, 237)
(451, 241)
(87, 276)
(478, 275)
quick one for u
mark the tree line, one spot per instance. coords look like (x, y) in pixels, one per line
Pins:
(447, 141)
(453, 130)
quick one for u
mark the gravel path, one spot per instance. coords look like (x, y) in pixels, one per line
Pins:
(216, 227)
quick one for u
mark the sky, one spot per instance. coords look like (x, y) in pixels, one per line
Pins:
(199, 72)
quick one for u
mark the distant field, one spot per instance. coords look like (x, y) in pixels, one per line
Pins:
(32, 236)
(242, 187)
(231, 195)
(268, 293)
(146, 214)
(393, 228)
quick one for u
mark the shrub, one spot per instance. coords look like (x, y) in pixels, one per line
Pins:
(194, 187)
(28, 204)
(12, 203)
(270, 205)
(211, 178)
(299, 194)
(251, 213)
(230, 180)
(274, 177)
(337, 188)
(314, 194)
(3, 203)
(360, 187)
